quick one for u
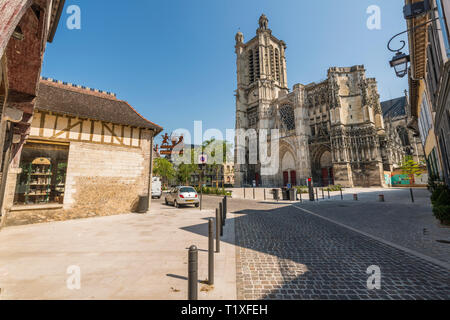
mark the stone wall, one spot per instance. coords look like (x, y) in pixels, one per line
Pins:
(99, 168)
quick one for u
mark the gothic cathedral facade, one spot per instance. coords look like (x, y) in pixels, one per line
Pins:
(332, 131)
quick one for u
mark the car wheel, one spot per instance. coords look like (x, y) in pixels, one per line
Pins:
(167, 202)
(176, 204)
(197, 205)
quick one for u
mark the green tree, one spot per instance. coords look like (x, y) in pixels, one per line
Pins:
(210, 147)
(185, 171)
(411, 168)
(164, 168)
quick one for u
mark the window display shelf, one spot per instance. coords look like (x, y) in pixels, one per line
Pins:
(42, 179)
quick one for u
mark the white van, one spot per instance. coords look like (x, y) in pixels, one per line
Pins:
(156, 188)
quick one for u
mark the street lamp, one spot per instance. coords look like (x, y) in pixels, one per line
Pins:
(400, 64)
(400, 61)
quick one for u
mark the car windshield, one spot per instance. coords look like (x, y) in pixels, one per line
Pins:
(184, 190)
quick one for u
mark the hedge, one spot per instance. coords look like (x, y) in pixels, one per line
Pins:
(441, 204)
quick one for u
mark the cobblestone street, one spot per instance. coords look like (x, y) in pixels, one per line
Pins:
(284, 252)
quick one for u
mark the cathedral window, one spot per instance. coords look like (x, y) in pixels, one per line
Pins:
(251, 67)
(272, 62)
(257, 65)
(287, 117)
(277, 64)
(252, 117)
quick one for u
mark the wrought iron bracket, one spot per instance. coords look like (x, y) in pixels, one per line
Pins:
(409, 30)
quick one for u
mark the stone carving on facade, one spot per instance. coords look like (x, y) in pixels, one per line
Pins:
(239, 38)
(263, 22)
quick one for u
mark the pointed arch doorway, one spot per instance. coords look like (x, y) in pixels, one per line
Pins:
(288, 169)
(326, 168)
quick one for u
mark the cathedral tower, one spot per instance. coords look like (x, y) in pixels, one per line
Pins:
(261, 78)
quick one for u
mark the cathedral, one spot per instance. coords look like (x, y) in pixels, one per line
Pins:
(333, 131)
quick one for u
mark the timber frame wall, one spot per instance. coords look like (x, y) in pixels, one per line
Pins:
(50, 126)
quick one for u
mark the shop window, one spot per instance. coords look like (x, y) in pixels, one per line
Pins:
(43, 174)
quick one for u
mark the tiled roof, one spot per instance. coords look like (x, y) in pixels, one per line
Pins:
(78, 101)
(394, 108)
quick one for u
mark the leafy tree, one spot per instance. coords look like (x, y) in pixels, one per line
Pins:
(210, 147)
(411, 168)
(185, 171)
(164, 169)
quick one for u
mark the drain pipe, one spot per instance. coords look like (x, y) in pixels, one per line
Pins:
(150, 174)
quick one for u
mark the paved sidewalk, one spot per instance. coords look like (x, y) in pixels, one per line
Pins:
(121, 257)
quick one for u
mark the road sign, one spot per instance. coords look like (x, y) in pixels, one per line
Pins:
(202, 159)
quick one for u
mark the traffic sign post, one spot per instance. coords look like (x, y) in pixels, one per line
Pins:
(202, 160)
(311, 189)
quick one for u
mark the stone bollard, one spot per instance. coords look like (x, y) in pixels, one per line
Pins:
(193, 273)
(381, 197)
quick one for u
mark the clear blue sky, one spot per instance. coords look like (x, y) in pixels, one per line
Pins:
(174, 61)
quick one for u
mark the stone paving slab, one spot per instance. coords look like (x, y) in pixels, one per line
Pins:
(121, 257)
(284, 253)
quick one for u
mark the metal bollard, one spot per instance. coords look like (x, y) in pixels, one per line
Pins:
(211, 251)
(254, 196)
(193, 273)
(317, 195)
(355, 197)
(225, 206)
(244, 193)
(342, 196)
(222, 212)
(301, 197)
(265, 198)
(221, 219)
(381, 197)
(329, 197)
(323, 194)
(412, 194)
(218, 223)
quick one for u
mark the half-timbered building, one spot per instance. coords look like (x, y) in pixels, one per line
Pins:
(87, 154)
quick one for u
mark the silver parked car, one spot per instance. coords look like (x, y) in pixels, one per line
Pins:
(179, 196)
